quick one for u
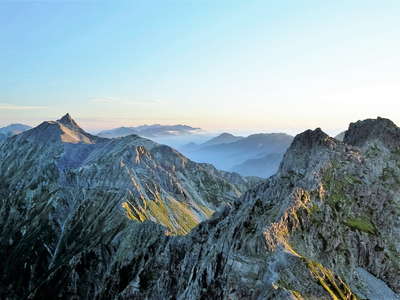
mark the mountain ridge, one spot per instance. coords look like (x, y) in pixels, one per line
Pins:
(74, 151)
(325, 226)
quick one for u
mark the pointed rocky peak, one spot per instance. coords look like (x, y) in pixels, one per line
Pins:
(64, 130)
(311, 138)
(307, 150)
(67, 120)
(361, 133)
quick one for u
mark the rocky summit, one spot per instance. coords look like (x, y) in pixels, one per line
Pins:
(84, 217)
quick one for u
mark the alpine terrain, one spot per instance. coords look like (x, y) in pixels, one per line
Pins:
(84, 217)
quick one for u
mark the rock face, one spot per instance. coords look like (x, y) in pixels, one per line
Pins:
(326, 226)
(364, 133)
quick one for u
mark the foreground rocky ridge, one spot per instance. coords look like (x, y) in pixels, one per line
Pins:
(326, 226)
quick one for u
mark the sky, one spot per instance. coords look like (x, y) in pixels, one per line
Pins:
(226, 65)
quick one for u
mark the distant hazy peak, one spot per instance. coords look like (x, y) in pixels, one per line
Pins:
(16, 125)
(226, 134)
(14, 128)
(223, 138)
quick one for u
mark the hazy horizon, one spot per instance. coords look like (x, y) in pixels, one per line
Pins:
(234, 66)
(202, 132)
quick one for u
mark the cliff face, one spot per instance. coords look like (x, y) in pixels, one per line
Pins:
(326, 226)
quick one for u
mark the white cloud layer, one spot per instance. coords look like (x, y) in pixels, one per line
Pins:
(7, 106)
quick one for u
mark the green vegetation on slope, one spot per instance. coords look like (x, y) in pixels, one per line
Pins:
(361, 224)
(176, 216)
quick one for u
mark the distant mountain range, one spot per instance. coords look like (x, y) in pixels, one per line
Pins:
(155, 130)
(255, 155)
(12, 129)
(263, 167)
(223, 138)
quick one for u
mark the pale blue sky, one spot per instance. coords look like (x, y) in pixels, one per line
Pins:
(220, 65)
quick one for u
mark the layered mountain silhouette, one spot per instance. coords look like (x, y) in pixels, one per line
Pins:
(265, 166)
(150, 131)
(325, 226)
(12, 129)
(255, 155)
(223, 138)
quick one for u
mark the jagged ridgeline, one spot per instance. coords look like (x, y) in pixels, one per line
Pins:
(326, 226)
